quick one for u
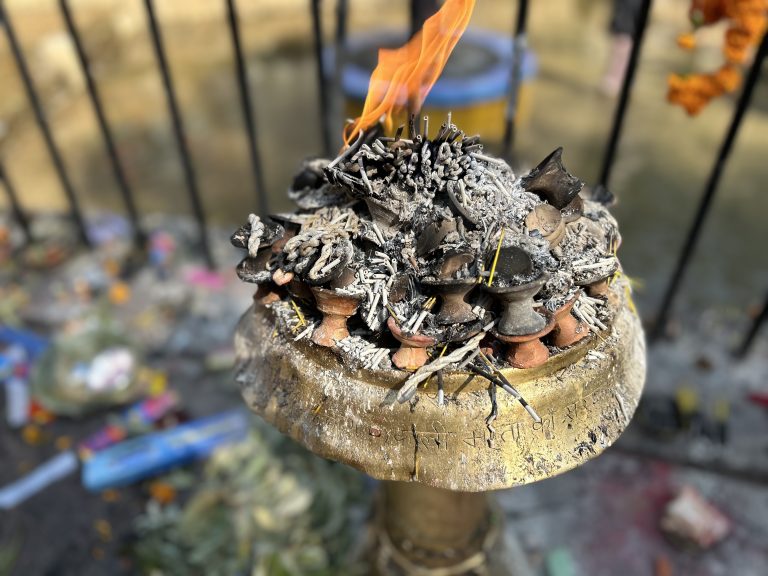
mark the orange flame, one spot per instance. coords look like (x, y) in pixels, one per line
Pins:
(404, 76)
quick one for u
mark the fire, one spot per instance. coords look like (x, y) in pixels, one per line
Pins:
(404, 76)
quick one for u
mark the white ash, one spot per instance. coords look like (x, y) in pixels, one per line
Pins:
(358, 352)
(306, 332)
(592, 312)
(587, 271)
(288, 321)
(257, 229)
(557, 301)
(557, 289)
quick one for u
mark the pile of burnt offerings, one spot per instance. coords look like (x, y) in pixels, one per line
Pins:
(425, 255)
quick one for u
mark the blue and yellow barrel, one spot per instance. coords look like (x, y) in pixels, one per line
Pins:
(473, 86)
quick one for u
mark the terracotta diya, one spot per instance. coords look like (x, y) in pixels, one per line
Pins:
(518, 316)
(412, 353)
(548, 221)
(454, 309)
(568, 329)
(552, 182)
(527, 350)
(336, 308)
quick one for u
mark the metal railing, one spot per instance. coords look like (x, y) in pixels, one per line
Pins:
(325, 91)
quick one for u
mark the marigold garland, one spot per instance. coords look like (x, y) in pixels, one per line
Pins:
(748, 20)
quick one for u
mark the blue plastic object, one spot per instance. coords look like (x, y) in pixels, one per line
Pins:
(484, 83)
(148, 455)
(33, 344)
(6, 367)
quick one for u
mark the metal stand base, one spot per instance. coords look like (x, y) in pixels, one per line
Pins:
(425, 531)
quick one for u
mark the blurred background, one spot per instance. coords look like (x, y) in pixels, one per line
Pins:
(87, 331)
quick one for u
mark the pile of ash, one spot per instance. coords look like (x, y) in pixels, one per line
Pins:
(431, 243)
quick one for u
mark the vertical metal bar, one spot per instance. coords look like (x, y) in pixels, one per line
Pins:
(342, 16)
(37, 108)
(420, 10)
(114, 159)
(601, 188)
(709, 191)
(754, 328)
(248, 113)
(322, 85)
(340, 59)
(178, 130)
(16, 208)
(519, 47)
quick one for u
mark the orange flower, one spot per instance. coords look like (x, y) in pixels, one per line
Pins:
(737, 43)
(686, 41)
(729, 78)
(162, 492)
(748, 21)
(693, 92)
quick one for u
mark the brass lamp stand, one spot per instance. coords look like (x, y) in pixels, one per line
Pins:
(439, 461)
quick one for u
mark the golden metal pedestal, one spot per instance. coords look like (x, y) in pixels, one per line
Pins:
(585, 396)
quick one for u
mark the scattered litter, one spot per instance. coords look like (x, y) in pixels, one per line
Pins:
(220, 360)
(162, 492)
(103, 529)
(204, 278)
(559, 562)
(663, 566)
(87, 370)
(17, 402)
(259, 509)
(32, 434)
(137, 418)
(58, 467)
(148, 455)
(690, 520)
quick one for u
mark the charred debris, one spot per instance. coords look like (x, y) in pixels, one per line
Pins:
(425, 254)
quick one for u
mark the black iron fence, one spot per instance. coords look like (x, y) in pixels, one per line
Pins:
(600, 189)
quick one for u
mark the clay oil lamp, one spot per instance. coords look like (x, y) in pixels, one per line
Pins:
(254, 270)
(291, 225)
(428, 239)
(299, 290)
(454, 308)
(344, 278)
(254, 267)
(552, 182)
(518, 316)
(527, 350)
(454, 260)
(599, 289)
(267, 293)
(568, 329)
(336, 308)
(412, 353)
(548, 221)
(324, 270)
(574, 210)
(401, 288)
(599, 285)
